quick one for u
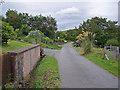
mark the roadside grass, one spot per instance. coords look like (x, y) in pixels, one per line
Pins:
(50, 46)
(13, 45)
(96, 56)
(63, 43)
(46, 74)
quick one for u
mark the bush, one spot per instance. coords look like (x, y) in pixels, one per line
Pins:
(87, 46)
(41, 51)
(35, 34)
(9, 85)
(112, 42)
(7, 32)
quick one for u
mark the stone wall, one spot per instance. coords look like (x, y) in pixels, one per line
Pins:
(25, 60)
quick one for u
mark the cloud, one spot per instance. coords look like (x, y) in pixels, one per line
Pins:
(61, 0)
(68, 10)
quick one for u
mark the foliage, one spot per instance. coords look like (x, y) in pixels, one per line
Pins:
(87, 46)
(112, 42)
(25, 22)
(13, 45)
(35, 34)
(41, 51)
(86, 38)
(47, 74)
(7, 32)
(71, 34)
(102, 28)
(12, 18)
(9, 85)
(60, 34)
(51, 46)
(25, 29)
(17, 31)
(119, 35)
(85, 35)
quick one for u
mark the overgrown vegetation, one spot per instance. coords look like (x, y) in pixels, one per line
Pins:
(47, 74)
(112, 42)
(9, 85)
(45, 43)
(13, 45)
(96, 56)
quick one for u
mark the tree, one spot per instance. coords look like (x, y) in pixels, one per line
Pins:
(12, 18)
(35, 34)
(7, 32)
(103, 29)
(25, 29)
(60, 34)
(119, 35)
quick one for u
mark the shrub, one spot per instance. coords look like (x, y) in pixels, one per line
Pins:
(9, 85)
(87, 46)
(41, 51)
(112, 42)
(35, 34)
(25, 29)
(7, 32)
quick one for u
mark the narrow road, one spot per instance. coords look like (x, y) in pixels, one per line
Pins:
(78, 72)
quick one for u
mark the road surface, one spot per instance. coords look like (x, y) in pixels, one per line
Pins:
(78, 72)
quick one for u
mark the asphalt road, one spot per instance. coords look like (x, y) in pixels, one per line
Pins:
(78, 72)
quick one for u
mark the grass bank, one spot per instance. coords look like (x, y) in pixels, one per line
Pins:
(96, 56)
(47, 74)
(13, 45)
(50, 46)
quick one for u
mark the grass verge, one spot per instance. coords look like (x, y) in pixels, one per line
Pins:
(47, 74)
(50, 46)
(96, 56)
(13, 45)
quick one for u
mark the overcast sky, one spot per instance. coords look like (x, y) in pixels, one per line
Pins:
(68, 13)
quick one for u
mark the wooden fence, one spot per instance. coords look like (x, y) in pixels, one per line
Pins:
(112, 52)
(8, 69)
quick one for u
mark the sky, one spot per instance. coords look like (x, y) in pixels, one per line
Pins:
(68, 13)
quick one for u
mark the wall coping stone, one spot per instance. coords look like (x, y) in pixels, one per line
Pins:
(18, 51)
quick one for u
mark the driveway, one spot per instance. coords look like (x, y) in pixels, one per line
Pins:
(78, 72)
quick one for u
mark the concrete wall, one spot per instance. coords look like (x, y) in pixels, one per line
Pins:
(25, 60)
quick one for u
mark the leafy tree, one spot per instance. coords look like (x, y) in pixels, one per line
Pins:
(112, 42)
(35, 34)
(7, 32)
(103, 29)
(12, 18)
(25, 29)
(47, 25)
(60, 34)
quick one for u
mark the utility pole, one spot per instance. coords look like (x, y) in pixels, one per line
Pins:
(119, 13)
